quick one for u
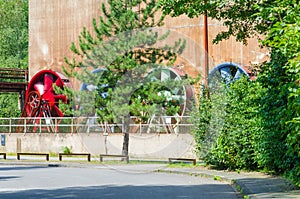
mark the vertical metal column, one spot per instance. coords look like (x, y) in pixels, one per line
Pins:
(206, 63)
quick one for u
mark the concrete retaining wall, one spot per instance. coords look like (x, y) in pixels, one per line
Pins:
(143, 146)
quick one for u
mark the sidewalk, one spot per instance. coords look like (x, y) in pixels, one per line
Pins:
(252, 185)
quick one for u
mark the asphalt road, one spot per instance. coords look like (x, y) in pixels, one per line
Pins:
(105, 182)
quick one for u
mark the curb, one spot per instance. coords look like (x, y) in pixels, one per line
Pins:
(243, 189)
(232, 182)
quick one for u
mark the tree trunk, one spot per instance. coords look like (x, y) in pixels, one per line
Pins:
(126, 127)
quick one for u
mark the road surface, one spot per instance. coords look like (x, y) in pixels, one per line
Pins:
(140, 182)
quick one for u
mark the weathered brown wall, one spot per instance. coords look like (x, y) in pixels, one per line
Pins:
(225, 51)
(54, 24)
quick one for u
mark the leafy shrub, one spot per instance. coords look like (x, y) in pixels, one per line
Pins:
(235, 144)
(260, 129)
(209, 119)
(280, 151)
(67, 150)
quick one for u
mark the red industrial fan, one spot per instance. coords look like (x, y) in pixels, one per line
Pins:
(41, 100)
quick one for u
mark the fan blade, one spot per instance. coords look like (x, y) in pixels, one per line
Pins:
(165, 74)
(226, 74)
(59, 83)
(61, 97)
(83, 87)
(48, 81)
(39, 87)
(154, 75)
(153, 78)
(175, 90)
(58, 111)
(91, 87)
(49, 97)
(238, 74)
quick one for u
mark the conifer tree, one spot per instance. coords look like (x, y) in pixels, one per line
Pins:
(124, 43)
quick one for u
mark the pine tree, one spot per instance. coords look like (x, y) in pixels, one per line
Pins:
(124, 42)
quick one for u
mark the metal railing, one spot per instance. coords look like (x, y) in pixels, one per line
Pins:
(13, 80)
(162, 124)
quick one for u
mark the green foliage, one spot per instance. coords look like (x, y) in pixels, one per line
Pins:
(218, 178)
(125, 48)
(262, 123)
(281, 78)
(243, 19)
(280, 111)
(261, 126)
(236, 135)
(121, 16)
(238, 16)
(124, 44)
(13, 47)
(9, 105)
(209, 118)
(13, 34)
(67, 150)
(238, 142)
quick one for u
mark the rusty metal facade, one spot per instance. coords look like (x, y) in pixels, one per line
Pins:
(54, 24)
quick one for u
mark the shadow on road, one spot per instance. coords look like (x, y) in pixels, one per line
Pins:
(210, 191)
(2, 178)
(16, 168)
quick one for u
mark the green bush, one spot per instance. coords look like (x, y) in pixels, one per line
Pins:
(209, 120)
(67, 150)
(235, 144)
(280, 109)
(9, 105)
(260, 128)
